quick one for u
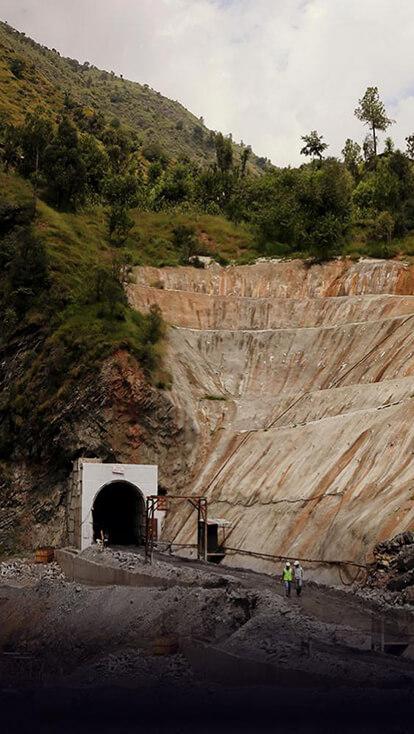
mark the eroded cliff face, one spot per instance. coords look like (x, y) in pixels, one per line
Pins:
(296, 384)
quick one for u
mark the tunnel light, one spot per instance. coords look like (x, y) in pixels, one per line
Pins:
(118, 470)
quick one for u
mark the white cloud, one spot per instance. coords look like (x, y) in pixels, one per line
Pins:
(266, 70)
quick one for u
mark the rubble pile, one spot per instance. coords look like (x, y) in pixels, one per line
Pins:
(393, 567)
(23, 571)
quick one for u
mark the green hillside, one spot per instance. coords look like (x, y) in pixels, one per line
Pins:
(96, 174)
(47, 77)
(61, 278)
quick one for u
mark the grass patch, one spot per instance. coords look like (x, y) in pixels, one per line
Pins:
(15, 190)
(150, 241)
(75, 244)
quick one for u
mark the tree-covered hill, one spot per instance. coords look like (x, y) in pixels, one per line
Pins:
(33, 75)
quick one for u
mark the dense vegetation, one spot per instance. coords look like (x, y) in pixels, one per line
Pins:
(84, 194)
(89, 139)
(81, 199)
(63, 310)
(85, 162)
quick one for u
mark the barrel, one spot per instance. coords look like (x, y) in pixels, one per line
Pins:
(46, 554)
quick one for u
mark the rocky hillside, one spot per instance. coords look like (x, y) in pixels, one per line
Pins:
(114, 413)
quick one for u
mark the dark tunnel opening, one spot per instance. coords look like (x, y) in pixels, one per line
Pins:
(119, 511)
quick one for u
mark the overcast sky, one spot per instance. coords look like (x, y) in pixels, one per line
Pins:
(266, 70)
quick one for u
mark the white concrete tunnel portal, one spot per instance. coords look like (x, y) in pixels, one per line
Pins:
(113, 499)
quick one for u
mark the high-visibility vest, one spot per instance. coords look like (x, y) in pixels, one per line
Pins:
(287, 574)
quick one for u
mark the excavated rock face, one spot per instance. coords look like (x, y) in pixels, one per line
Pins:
(297, 388)
(143, 424)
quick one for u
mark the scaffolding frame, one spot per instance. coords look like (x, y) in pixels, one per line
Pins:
(158, 502)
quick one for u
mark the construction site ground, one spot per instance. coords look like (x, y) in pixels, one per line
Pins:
(214, 646)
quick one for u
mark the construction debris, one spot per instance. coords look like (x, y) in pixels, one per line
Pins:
(393, 567)
(202, 631)
(23, 572)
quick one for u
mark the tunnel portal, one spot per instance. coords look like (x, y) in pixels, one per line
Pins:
(110, 497)
(119, 511)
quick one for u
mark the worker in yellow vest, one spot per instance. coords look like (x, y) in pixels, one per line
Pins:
(287, 577)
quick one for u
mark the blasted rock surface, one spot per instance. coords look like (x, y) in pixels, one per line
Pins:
(297, 383)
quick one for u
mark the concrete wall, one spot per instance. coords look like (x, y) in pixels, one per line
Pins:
(84, 571)
(74, 508)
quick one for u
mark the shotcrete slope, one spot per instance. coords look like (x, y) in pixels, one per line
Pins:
(298, 385)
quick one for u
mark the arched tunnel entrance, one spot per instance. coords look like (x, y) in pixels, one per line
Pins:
(119, 511)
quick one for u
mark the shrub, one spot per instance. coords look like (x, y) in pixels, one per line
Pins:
(155, 327)
(382, 229)
(154, 152)
(17, 67)
(184, 240)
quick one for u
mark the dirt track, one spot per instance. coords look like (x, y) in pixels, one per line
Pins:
(320, 601)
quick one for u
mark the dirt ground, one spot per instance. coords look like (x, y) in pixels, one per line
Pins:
(216, 636)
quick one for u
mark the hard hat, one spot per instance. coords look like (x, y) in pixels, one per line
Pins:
(296, 563)
(287, 563)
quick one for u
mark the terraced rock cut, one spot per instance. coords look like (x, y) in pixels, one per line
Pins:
(295, 387)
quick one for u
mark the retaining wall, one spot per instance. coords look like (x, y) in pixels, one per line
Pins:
(85, 571)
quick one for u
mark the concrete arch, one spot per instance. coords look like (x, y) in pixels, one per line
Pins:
(118, 481)
(118, 510)
(94, 476)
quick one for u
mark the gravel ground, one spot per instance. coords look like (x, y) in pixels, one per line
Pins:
(23, 572)
(214, 625)
(108, 634)
(132, 667)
